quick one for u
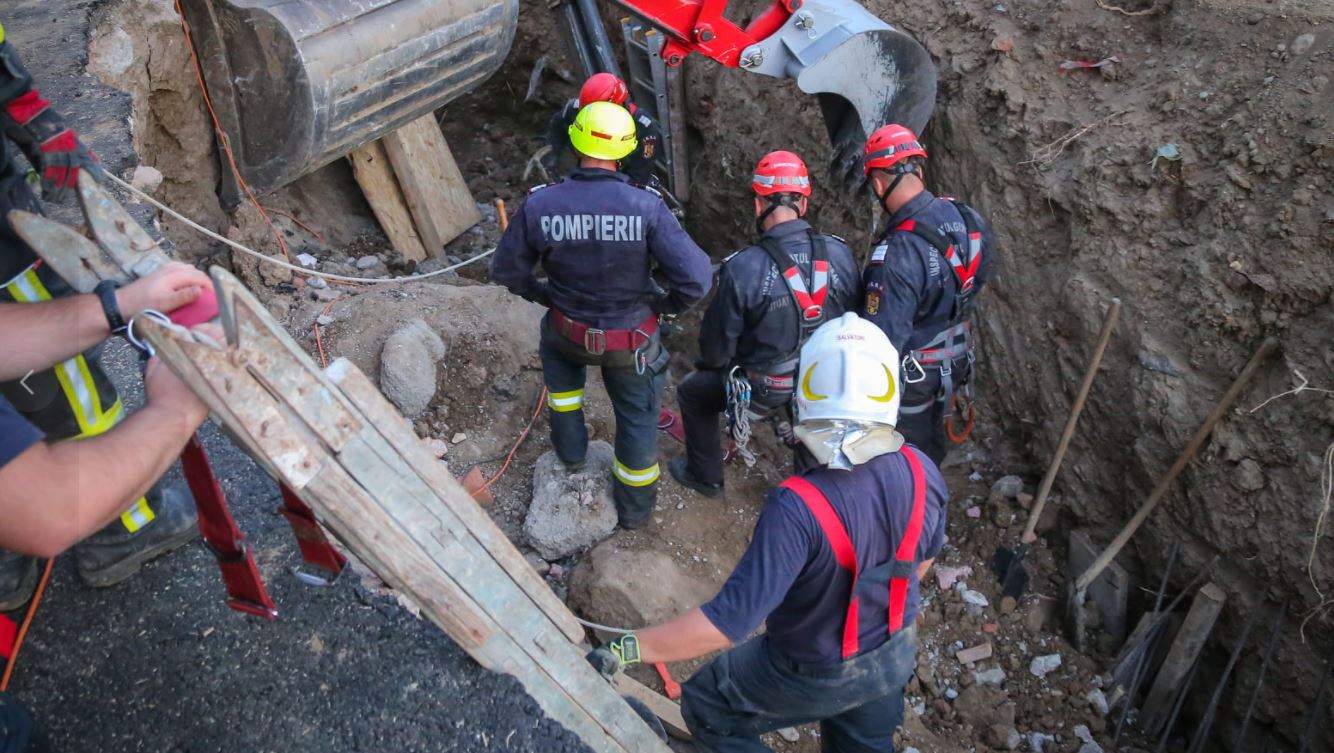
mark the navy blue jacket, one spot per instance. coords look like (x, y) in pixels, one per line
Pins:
(790, 578)
(752, 320)
(911, 294)
(597, 236)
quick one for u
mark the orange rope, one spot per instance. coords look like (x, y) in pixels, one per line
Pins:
(319, 341)
(27, 622)
(222, 135)
(317, 235)
(541, 399)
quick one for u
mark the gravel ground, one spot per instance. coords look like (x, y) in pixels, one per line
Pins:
(160, 663)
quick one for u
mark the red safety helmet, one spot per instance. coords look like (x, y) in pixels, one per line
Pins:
(890, 145)
(603, 87)
(779, 173)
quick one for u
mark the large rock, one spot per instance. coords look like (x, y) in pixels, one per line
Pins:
(571, 511)
(983, 706)
(633, 589)
(407, 367)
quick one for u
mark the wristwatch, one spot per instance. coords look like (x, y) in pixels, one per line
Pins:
(106, 293)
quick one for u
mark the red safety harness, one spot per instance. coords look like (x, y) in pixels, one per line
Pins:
(599, 341)
(964, 264)
(895, 572)
(809, 299)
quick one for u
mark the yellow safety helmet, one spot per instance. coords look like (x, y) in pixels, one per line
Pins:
(603, 130)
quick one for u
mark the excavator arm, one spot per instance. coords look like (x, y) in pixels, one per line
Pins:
(865, 72)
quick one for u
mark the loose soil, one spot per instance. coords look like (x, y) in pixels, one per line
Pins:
(1211, 247)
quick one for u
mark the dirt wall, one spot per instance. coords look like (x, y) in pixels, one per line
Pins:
(1210, 253)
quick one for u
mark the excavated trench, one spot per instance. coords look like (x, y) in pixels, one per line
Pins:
(1191, 178)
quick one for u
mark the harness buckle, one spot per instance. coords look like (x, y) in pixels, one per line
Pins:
(946, 367)
(812, 312)
(595, 341)
(909, 364)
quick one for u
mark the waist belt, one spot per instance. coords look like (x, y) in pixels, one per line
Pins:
(951, 344)
(599, 341)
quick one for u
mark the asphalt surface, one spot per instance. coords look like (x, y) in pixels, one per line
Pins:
(159, 663)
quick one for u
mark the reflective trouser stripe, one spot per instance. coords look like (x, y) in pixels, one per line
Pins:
(76, 381)
(631, 477)
(138, 516)
(564, 402)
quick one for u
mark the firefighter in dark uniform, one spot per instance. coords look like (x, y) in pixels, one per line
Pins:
(598, 237)
(770, 297)
(921, 286)
(606, 87)
(73, 400)
(832, 569)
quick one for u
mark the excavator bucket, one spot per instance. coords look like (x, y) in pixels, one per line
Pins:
(865, 72)
(298, 83)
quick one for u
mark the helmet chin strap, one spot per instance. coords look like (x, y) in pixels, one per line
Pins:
(775, 201)
(884, 197)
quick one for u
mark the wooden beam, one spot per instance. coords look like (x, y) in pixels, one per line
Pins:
(667, 710)
(1185, 651)
(422, 533)
(370, 166)
(432, 184)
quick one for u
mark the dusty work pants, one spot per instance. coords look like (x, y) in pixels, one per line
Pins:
(922, 416)
(703, 398)
(635, 398)
(751, 690)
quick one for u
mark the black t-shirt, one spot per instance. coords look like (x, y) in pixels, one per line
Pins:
(789, 576)
(17, 434)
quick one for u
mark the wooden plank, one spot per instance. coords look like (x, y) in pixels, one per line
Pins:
(662, 707)
(381, 414)
(404, 553)
(441, 203)
(432, 526)
(1190, 640)
(371, 168)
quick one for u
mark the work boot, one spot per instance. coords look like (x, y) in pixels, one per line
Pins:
(114, 553)
(18, 579)
(680, 470)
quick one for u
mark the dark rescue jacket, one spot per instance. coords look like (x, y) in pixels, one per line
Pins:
(754, 320)
(922, 282)
(598, 237)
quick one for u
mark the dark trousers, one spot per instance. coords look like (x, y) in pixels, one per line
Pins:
(922, 416)
(751, 690)
(703, 399)
(635, 398)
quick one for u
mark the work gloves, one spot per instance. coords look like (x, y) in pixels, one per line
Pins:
(615, 655)
(54, 151)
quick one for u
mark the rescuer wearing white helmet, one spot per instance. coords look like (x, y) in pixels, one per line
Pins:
(832, 569)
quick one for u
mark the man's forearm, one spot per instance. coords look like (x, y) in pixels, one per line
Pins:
(34, 336)
(684, 637)
(54, 496)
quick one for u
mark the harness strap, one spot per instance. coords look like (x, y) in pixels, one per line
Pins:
(809, 300)
(907, 551)
(898, 570)
(844, 553)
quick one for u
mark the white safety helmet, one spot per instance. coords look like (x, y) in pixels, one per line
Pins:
(848, 371)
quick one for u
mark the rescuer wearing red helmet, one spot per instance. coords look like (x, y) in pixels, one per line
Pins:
(607, 87)
(771, 296)
(921, 286)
